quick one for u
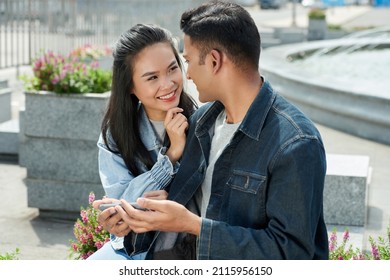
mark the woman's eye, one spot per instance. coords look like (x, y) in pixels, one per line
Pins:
(152, 78)
(174, 68)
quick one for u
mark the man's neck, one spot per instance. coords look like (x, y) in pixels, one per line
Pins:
(240, 97)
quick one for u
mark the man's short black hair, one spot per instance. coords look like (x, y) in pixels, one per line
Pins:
(226, 27)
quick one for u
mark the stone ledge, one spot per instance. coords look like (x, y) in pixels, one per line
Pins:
(58, 196)
(60, 159)
(9, 137)
(3, 83)
(345, 193)
(64, 116)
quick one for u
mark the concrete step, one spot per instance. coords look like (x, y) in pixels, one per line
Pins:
(9, 137)
(3, 83)
(5, 103)
(270, 42)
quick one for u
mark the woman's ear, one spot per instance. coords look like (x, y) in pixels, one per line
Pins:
(216, 60)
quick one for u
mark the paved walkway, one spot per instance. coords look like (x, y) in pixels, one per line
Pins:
(40, 239)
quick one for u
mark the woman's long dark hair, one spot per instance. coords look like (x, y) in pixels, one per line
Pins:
(121, 118)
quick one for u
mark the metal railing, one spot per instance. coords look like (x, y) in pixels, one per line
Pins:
(29, 26)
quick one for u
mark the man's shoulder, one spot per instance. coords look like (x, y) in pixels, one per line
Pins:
(201, 110)
(293, 117)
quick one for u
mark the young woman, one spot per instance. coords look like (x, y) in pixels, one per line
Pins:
(144, 129)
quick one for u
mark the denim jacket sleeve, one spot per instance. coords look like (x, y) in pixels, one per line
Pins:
(118, 182)
(294, 194)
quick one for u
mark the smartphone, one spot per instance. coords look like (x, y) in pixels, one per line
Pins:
(108, 205)
(104, 206)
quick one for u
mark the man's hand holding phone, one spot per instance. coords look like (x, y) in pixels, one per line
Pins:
(110, 217)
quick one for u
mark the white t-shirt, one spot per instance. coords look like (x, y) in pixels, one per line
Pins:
(223, 132)
(159, 129)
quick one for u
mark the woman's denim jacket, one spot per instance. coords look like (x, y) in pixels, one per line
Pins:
(118, 182)
(267, 189)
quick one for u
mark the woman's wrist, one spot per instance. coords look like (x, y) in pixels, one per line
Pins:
(172, 156)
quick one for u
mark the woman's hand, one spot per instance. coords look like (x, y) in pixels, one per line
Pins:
(176, 125)
(98, 202)
(158, 195)
(109, 218)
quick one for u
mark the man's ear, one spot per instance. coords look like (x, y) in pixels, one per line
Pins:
(216, 60)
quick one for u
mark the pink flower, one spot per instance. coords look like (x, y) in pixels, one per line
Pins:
(332, 246)
(91, 198)
(333, 237)
(95, 64)
(375, 251)
(74, 247)
(99, 244)
(37, 65)
(90, 236)
(98, 229)
(346, 235)
(83, 213)
(84, 256)
(55, 80)
(85, 219)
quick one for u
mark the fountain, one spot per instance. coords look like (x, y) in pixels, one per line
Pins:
(343, 84)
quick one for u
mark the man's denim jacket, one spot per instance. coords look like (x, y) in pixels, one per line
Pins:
(267, 189)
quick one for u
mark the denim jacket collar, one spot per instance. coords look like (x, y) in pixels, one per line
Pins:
(148, 136)
(258, 111)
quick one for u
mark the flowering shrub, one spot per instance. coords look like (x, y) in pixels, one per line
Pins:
(71, 74)
(90, 52)
(10, 255)
(317, 13)
(380, 250)
(90, 236)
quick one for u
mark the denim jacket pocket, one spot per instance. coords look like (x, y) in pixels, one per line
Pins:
(245, 181)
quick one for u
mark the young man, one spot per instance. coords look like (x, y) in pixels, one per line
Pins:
(251, 180)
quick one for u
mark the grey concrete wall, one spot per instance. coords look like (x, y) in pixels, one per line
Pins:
(58, 149)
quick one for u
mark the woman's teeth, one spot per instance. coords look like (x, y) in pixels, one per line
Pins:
(167, 96)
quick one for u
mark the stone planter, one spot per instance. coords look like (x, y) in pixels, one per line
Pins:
(317, 29)
(59, 150)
